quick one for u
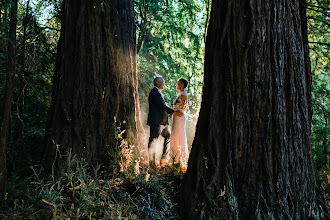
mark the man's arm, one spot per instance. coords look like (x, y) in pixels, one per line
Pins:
(157, 99)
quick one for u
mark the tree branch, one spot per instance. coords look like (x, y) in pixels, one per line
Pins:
(320, 43)
(325, 22)
(327, 15)
(51, 28)
(316, 6)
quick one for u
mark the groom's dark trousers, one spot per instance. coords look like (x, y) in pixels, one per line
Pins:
(158, 122)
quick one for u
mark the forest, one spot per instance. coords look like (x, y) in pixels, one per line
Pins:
(75, 81)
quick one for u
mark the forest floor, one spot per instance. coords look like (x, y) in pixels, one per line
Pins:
(78, 194)
(81, 191)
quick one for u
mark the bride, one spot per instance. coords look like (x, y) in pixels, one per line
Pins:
(179, 146)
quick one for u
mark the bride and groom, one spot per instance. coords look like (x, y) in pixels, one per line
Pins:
(175, 147)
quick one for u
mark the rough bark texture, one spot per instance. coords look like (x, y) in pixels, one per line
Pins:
(95, 81)
(251, 157)
(8, 97)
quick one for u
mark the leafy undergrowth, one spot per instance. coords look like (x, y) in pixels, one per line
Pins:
(82, 192)
(127, 190)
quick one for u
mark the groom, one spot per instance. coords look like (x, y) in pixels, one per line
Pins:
(158, 121)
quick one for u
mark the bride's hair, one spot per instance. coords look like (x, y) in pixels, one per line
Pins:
(184, 81)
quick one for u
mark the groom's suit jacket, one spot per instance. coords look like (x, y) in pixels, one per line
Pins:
(158, 110)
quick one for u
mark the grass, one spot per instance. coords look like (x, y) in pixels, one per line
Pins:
(85, 192)
(81, 191)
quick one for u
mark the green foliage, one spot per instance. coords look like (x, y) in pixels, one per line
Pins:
(170, 44)
(84, 192)
(318, 13)
(40, 55)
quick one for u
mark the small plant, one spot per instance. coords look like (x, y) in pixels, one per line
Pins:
(81, 191)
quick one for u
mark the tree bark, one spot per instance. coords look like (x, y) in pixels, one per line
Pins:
(8, 97)
(251, 157)
(95, 82)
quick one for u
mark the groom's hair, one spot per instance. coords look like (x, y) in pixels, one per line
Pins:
(184, 81)
(156, 80)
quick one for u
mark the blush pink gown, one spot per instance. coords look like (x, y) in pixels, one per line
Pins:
(179, 146)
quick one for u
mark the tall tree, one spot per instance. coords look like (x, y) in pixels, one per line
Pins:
(95, 81)
(251, 157)
(318, 15)
(170, 43)
(8, 97)
(21, 94)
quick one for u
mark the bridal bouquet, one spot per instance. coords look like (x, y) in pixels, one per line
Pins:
(180, 103)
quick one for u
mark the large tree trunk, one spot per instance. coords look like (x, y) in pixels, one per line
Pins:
(95, 81)
(251, 157)
(8, 97)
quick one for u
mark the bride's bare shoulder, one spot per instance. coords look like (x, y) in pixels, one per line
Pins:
(184, 95)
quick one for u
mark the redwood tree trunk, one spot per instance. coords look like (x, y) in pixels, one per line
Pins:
(8, 97)
(95, 81)
(251, 157)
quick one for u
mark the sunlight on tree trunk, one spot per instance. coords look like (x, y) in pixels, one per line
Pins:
(251, 157)
(95, 82)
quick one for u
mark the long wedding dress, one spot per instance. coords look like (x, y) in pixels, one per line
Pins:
(179, 146)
